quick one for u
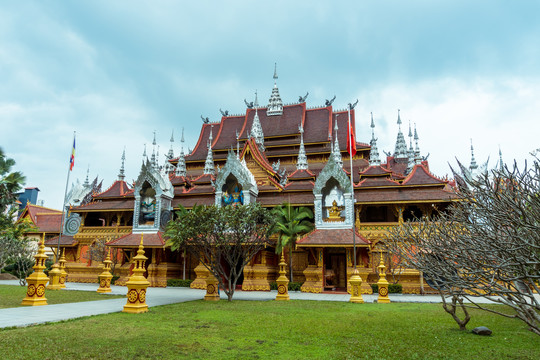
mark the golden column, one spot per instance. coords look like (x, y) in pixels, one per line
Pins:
(106, 276)
(212, 287)
(382, 283)
(63, 272)
(35, 294)
(282, 281)
(137, 284)
(54, 278)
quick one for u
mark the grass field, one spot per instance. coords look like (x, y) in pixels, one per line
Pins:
(274, 330)
(11, 296)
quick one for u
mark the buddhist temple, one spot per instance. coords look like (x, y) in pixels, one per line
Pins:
(271, 154)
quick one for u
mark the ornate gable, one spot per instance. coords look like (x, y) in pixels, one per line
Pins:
(333, 197)
(235, 183)
(153, 195)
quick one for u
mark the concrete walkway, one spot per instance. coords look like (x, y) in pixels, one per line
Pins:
(31, 315)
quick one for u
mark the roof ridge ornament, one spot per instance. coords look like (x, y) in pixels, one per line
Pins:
(302, 163)
(400, 151)
(256, 128)
(473, 165)
(181, 165)
(417, 156)
(374, 152)
(275, 105)
(209, 163)
(336, 151)
(121, 174)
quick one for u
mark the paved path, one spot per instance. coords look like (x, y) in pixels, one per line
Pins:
(31, 315)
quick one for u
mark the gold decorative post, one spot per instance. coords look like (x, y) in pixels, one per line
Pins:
(382, 283)
(282, 281)
(63, 272)
(35, 294)
(356, 283)
(137, 284)
(54, 278)
(212, 286)
(106, 276)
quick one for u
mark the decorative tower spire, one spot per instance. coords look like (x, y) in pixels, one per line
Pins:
(337, 151)
(156, 164)
(153, 157)
(181, 165)
(144, 157)
(121, 175)
(400, 151)
(209, 163)
(170, 154)
(501, 163)
(86, 182)
(417, 156)
(275, 105)
(410, 152)
(302, 163)
(256, 128)
(237, 144)
(473, 166)
(374, 153)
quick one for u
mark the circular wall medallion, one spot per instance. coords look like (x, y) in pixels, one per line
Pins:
(210, 289)
(73, 222)
(102, 283)
(31, 290)
(142, 296)
(383, 291)
(132, 296)
(282, 289)
(40, 291)
(62, 279)
(164, 219)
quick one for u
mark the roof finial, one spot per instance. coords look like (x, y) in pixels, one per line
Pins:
(501, 163)
(374, 152)
(209, 163)
(144, 157)
(400, 151)
(170, 155)
(256, 128)
(417, 157)
(153, 157)
(86, 182)
(275, 105)
(121, 175)
(337, 151)
(302, 163)
(473, 166)
(181, 165)
(237, 144)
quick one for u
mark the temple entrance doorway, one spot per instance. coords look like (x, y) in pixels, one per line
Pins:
(335, 269)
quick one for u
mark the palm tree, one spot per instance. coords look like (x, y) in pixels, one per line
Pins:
(290, 223)
(10, 182)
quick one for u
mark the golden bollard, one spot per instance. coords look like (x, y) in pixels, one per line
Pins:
(382, 283)
(106, 276)
(63, 272)
(282, 281)
(35, 294)
(356, 283)
(137, 285)
(54, 278)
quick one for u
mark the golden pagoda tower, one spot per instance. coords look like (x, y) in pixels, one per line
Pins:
(35, 294)
(63, 272)
(282, 281)
(137, 285)
(382, 283)
(106, 276)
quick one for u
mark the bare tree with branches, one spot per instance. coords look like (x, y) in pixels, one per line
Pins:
(224, 239)
(486, 245)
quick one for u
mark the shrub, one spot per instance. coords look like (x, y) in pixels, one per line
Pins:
(293, 286)
(179, 282)
(114, 278)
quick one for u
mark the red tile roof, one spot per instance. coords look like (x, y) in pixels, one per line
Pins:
(64, 241)
(332, 237)
(151, 240)
(117, 189)
(421, 176)
(121, 204)
(201, 149)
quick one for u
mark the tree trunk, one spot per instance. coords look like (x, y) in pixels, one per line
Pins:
(290, 262)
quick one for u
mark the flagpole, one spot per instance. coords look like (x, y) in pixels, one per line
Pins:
(64, 203)
(352, 182)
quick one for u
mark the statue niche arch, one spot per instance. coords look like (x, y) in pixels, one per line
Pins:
(333, 198)
(147, 212)
(235, 184)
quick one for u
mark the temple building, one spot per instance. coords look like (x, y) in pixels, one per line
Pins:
(270, 154)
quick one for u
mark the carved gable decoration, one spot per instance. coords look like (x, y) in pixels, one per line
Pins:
(235, 184)
(153, 194)
(333, 198)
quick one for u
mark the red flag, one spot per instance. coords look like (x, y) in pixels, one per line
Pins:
(351, 141)
(72, 158)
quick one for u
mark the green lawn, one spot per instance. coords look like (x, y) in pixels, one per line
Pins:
(11, 296)
(274, 330)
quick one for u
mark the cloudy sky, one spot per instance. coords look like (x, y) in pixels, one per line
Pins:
(116, 71)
